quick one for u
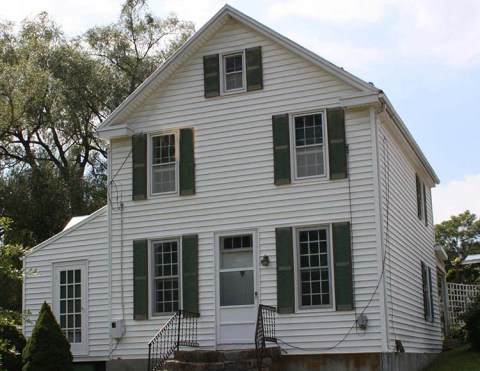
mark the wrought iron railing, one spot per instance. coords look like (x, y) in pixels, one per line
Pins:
(264, 331)
(180, 330)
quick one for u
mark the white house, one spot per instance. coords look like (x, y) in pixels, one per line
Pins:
(245, 145)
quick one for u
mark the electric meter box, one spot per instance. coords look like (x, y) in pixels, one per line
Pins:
(117, 329)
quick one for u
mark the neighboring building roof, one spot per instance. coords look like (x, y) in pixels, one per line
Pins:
(70, 227)
(75, 220)
(472, 259)
(114, 126)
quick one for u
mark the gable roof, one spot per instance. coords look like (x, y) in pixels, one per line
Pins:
(68, 229)
(111, 127)
(114, 125)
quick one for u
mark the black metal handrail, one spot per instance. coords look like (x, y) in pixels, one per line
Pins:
(180, 330)
(264, 331)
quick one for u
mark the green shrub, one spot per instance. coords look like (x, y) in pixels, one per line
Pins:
(472, 323)
(47, 349)
(12, 343)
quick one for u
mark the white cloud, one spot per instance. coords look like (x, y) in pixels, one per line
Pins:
(435, 31)
(455, 197)
(337, 12)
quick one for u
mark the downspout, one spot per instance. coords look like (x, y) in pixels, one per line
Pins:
(109, 233)
(380, 231)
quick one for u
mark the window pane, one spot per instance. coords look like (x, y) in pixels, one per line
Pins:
(166, 276)
(233, 73)
(314, 269)
(309, 149)
(310, 161)
(163, 178)
(236, 288)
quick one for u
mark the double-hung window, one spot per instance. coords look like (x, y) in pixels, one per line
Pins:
(164, 163)
(165, 276)
(309, 145)
(314, 275)
(233, 72)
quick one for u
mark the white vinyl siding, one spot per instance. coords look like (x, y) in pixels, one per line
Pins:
(235, 190)
(85, 244)
(408, 243)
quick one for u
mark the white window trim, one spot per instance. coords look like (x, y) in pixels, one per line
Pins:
(293, 159)
(76, 348)
(151, 282)
(331, 275)
(222, 73)
(176, 133)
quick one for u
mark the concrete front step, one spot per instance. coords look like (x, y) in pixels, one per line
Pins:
(234, 360)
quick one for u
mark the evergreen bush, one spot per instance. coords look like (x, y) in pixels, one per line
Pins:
(472, 323)
(47, 349)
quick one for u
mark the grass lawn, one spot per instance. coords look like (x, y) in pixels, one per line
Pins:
(458, 359)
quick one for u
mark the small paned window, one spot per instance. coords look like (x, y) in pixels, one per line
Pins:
(309, 145)
(166, 276)
(71, 304)
(233, 72)
(314, 268)
(163, 164)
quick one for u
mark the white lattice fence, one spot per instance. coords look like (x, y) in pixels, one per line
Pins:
(459, 295)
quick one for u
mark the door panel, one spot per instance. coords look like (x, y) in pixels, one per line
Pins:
(236, 287)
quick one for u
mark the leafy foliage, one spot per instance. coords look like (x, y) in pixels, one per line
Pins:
(472, 323)
(12, 343)
(47, 349)
(460, 235)
(137, 44)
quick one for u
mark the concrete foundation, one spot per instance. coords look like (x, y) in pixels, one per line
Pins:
(357, 362)
(315, 362)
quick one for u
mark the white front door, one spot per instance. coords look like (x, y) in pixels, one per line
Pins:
(236, 287)
(70, 301)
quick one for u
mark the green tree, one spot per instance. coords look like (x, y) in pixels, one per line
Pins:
(47, 348)
(137, 44)
(460, 235)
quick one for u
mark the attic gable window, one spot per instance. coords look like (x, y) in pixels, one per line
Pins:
(422, 206)
(233, 72)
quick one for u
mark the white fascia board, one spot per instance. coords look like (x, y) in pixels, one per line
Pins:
(67, 231)
(114, 132)
(361, 99)
(408, 137)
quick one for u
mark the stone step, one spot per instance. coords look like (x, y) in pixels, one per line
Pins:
(225, 360)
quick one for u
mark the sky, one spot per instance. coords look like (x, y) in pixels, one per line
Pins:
(424, 54)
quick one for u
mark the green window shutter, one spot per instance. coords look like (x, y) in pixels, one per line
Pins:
(285, 270)
(253, 58)
(139, 167)
(425, 290)
(140, 279)
(190, 273)
(281, 149)
(425, 211)
(337, 148)
(187, 162)
(419, 196)
(342, 255)
(211, 75)
(430, 294)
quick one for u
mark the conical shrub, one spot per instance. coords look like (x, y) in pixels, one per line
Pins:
(47, 349)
